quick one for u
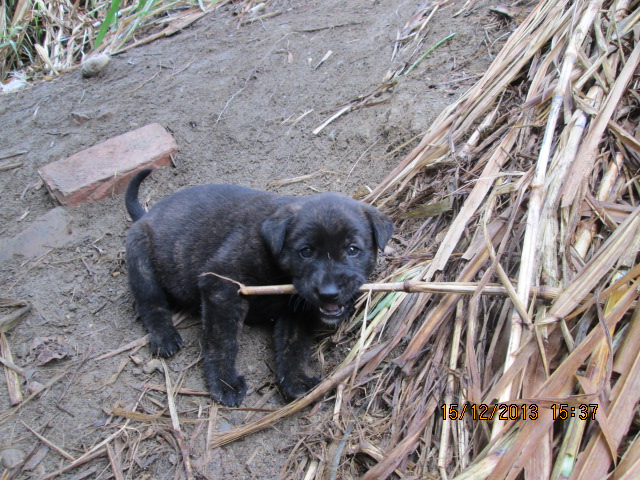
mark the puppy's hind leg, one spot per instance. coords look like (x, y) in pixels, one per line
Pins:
(223, 313)
(151, 300)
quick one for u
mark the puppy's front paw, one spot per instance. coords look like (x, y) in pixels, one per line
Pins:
(165, 342)
(228, 391)
(294, 386)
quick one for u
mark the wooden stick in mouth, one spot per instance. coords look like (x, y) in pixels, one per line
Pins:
(408, 286)
(547, 293)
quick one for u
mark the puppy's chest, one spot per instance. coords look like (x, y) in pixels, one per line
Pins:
(268, 308)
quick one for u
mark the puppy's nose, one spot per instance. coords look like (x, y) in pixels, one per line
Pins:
(328, 293)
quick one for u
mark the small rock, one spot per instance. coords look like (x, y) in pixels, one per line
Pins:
(223, 425)
(35, 387)
(50, 230)
(11, 457)
(152, 366)
(257, 10)
(137, 359)
(21, 350)
(104, 115)
(15, 85)
(92, 66)
(79, 118)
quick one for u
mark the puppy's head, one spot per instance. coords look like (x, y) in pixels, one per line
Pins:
(328, 244)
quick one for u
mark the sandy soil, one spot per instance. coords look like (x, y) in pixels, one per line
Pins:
(242, 102)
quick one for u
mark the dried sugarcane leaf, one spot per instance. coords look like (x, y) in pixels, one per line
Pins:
(596, 458)
(629, 466)
(588, 150)
(431, 210)
(625, 137)
(559, 386)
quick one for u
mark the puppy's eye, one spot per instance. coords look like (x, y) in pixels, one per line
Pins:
(353, 251)
(306, 252)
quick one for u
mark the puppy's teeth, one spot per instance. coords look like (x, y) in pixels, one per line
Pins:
(332, 310)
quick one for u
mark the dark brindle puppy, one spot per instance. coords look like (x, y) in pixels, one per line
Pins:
(324, 244)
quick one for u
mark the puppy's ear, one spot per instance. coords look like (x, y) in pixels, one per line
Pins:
(274, 229)
(381, 225)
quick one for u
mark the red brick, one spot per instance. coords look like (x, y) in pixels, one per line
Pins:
(106, 168)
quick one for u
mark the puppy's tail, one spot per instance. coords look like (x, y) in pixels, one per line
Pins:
(136, 211)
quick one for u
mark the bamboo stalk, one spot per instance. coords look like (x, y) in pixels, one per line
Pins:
(13, 366)
(566, 457)
(482, 95)
(175, 423)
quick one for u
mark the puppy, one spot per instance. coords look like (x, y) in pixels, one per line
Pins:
(325, 245)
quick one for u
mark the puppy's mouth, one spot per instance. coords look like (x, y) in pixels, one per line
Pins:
(332, 313)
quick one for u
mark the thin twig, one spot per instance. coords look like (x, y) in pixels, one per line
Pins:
(49, 443)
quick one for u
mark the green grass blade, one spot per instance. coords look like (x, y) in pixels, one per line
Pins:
(143, 11)
(142, 6)
(108, 21)
(431, 49)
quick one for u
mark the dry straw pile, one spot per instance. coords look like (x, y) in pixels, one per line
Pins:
(536, 169)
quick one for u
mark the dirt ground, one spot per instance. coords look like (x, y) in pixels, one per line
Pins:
(242, 103)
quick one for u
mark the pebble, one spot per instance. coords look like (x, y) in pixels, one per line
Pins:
(223, 425)
(11, 457)
(152, 366)
(137, 359)
(92, 66)
(35, 387)
(15, 85)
